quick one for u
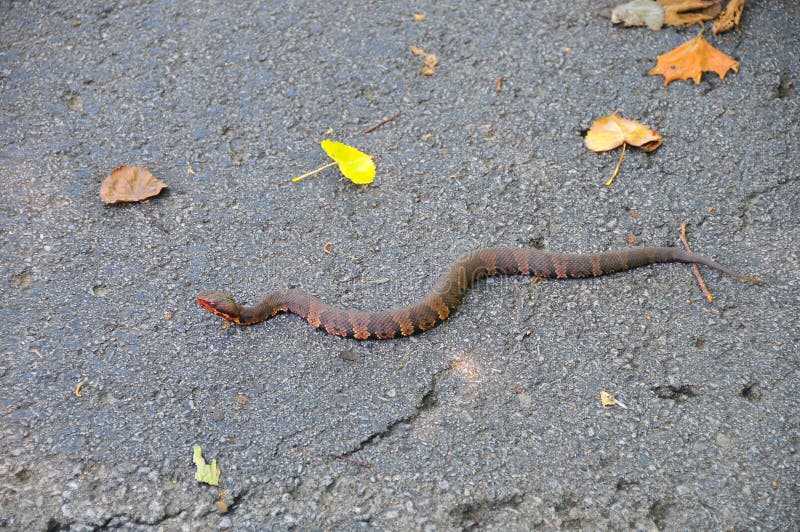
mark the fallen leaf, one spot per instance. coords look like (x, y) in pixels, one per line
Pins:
(130, 183)
(612, 131)
(606, 399)
(639, 13)
(356, 166)
(691, 59)
(729, 18)
(429, 61)
(685, 12)
(208, 473)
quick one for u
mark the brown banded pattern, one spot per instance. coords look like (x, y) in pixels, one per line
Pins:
(448, 291)
(359, 324)
(402, 317)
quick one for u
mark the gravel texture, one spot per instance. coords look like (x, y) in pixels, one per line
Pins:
(492, 420)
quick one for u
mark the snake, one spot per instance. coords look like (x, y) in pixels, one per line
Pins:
(447, 293)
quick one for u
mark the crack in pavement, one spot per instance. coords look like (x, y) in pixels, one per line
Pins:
(428, 401)
(473, 514)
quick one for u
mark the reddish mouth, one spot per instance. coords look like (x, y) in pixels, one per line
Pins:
(209, 306)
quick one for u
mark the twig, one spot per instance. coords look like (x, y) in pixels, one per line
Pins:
(695, 268)
(351, 460)
(499, 86)
(382, 122)
(155, 222)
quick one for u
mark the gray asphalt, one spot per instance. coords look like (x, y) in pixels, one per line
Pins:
(492, 420)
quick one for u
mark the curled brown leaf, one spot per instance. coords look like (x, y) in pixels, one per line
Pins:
(729, 18)
(685, 12)
(129, 184)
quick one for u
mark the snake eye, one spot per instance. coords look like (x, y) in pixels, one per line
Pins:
(219, 303)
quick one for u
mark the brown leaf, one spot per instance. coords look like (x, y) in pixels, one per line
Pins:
(130, 183)
(691, 59)
(684, 12)
(729, 18)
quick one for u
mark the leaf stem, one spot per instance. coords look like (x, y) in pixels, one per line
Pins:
(619, 163)
(312, 172)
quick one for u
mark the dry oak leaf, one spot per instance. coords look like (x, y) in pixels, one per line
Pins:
(685, 12)
(691, 59)
(729, 18)
(130, 183)
(613, 131)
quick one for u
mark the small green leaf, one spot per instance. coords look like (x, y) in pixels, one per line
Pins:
(208, 473)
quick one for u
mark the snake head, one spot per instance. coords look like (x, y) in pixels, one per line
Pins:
(220, 303)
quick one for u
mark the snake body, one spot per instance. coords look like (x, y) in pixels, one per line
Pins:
(448, 291)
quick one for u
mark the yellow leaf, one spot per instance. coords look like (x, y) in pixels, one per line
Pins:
(606, 399)
(691, 59)
(429, 61)
(208, 473)
(355, 165)
(612, 131)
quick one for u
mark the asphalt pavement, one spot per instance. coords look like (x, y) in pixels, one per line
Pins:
(111, 373)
